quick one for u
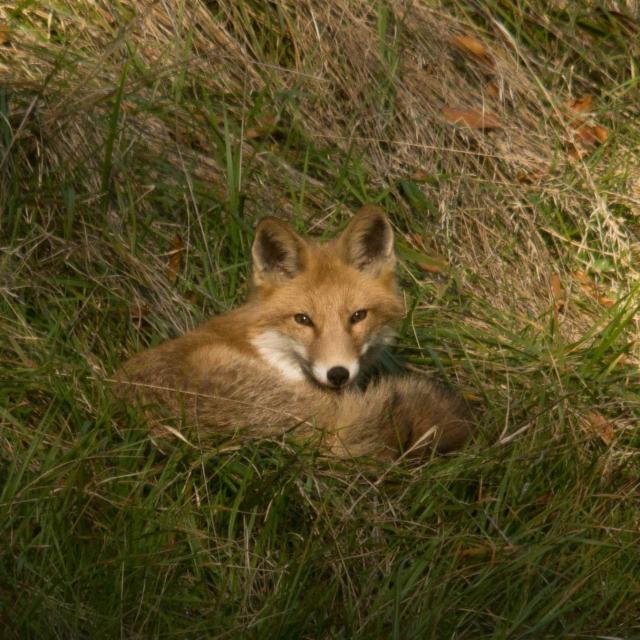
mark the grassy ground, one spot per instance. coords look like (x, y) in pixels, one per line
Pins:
(140, 142)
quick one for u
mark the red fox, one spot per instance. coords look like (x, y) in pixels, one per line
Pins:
(289, 360)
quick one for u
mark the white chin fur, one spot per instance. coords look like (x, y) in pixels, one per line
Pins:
(320, 371)
(280, 352)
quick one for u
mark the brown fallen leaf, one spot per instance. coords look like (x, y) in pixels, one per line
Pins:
(5, 35)
(437, 265)
(577, 153)
(535, 175)
(471, 396)
(262, 127)
(139, 313)
(417, 240)
(175, 258)
(585, 283)
(421, 175)
(491, 89)
(581, 105)
(582, 277)
(426, 261)
(590, 135)
(470, 45)
(589, 287)
(477, 552)
(106, 15)
(583, 136)
(557, 292)
(601, 133)
(598, 425)
(472, 118)
(605, 301)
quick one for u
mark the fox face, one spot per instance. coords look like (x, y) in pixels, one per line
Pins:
(324, 309)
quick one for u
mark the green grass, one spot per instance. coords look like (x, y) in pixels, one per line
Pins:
(122, 127)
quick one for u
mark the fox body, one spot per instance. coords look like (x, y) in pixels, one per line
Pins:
(290, 358)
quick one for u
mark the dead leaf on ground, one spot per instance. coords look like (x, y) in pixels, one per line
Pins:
(581, 105)
(434, 265)
(591, 135)
(491, 89)
(421, 175)
(558, 292)
(587, 138)
(417, 240)
(585, 283)
(472, 118)
(262, 127)
(535, 175)
(106, 15)
(139, 313)
(588, 286)
(470, 45)
(582, 277)
(599, 426)
(584, 136)
(605, 301)
(423, 258)
(577, 153)
(477, 552)
(601, 133)
(5, 35)
(175, 258)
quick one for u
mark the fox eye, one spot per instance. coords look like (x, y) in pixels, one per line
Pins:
(358, 316)
(303, 318)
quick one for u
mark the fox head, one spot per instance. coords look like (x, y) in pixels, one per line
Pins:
(324, 310)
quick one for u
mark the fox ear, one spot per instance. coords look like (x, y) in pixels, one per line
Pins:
(278, 251)
(367, 242)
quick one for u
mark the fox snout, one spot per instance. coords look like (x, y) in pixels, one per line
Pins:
(296, 361)
(336, 375)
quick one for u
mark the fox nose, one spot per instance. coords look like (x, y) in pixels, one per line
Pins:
(337, 376)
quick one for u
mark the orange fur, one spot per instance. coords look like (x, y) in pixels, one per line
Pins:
(289, 359)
